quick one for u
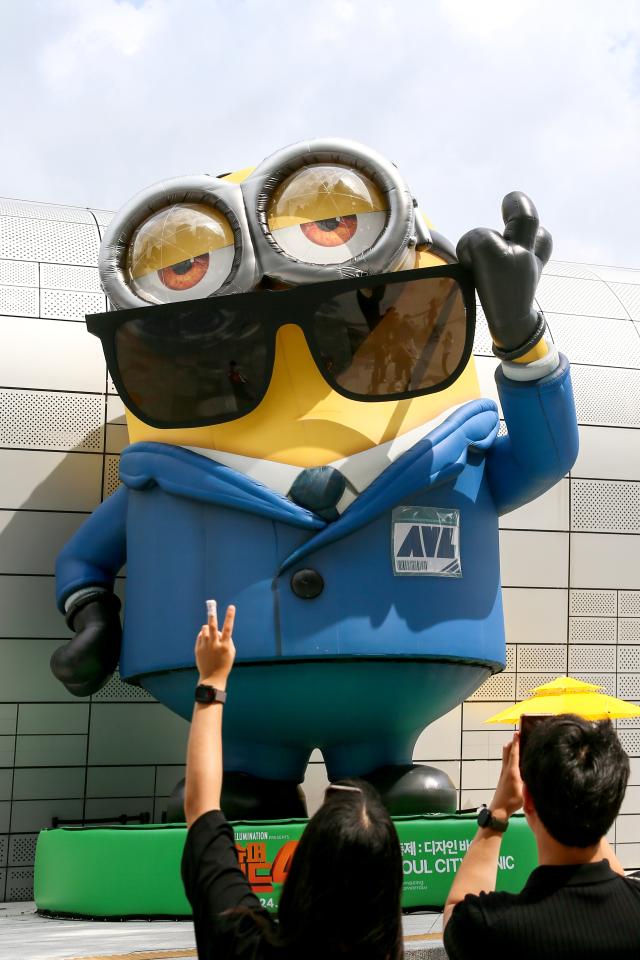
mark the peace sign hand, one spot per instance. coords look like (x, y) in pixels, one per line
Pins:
(215, 650)
(506, 269)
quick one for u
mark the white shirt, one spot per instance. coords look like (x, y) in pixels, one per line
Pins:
(359, 469)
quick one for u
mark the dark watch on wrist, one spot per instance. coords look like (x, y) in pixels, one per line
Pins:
(205, 693)
(487, 819)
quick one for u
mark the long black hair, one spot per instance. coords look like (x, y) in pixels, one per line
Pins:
(341, 897)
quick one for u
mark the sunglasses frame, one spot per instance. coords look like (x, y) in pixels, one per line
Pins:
(274, 309)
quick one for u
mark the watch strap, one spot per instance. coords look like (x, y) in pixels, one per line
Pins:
(205, 693)
(487, 819)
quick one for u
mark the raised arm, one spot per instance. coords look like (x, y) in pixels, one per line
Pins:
(479, 869)
(533, 379)
(215, 654)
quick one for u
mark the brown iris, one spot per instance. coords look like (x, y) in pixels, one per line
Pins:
(332, 232)
(186, 274)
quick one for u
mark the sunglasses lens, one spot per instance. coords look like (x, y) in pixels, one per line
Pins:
(393, 339)
(192, 365)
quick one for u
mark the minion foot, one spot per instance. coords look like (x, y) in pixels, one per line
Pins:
(414, 789)
(245, 797)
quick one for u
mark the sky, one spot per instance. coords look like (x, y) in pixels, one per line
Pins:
(470, 98)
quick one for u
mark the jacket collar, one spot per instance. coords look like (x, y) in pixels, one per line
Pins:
(437, 458)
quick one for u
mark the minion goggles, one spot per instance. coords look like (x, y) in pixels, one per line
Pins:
(266, 226)
(374, 335)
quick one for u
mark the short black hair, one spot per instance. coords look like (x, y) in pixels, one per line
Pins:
(576, 772)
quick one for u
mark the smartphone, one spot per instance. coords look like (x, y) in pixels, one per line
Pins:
(527, 723)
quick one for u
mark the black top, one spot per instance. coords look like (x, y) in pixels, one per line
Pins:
(214, 883)
(580, 911)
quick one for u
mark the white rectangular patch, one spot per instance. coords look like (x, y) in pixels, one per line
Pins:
(425, 541)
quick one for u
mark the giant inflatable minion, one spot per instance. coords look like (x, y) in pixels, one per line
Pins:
(308, 441)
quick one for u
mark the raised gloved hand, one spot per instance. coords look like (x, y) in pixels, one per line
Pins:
(506, 269)
(88, 660)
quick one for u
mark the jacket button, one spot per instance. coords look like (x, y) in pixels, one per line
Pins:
(307, 584)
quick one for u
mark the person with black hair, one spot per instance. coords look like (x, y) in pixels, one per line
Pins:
(341, 896)
(577, 903)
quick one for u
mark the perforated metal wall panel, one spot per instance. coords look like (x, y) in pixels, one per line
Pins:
(629, 294)
(111, 475)
(628, 686)
(19, 301)
(601, 630)
(630, 740)
(629, 659)
(103, 217)
(559, 268)
(629, 603)
(22, 849)
(45, 211)
(70, 304)
(47, 420)
(591, 656)
(57, 242)
(542, 656)
(589, 298)
(61, 276)
(500, 686)
(606, 396)
(482, 344)
(629, 630)
(605, 505)
(19, 272)
(596, 603)
(596, 340)
(19, 885)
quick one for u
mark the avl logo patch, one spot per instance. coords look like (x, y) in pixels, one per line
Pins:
(426, 542)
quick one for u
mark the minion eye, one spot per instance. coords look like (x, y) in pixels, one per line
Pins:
(179, 253)
(327, 214)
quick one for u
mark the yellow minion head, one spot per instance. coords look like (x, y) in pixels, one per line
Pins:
(319, 219)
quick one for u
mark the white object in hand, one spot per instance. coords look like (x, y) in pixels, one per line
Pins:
(212, 609)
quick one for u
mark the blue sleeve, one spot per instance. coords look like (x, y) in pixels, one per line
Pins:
(98, 550)
(542, 441)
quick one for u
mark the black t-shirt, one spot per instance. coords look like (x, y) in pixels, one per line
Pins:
(578, 912)
(214, 883)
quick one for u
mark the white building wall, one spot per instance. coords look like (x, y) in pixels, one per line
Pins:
(570, 561)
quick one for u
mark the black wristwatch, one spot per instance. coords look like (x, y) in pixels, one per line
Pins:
(205, 693)
(487, 819)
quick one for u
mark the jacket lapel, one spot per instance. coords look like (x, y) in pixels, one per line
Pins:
(186, 474)
(437, 458)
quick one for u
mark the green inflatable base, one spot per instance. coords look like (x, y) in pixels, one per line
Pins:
(128, 872)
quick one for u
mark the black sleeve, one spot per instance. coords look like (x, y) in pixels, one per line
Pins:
(214, 883)
(466, 933)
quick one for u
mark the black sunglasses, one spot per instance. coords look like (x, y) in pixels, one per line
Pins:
(200, 362)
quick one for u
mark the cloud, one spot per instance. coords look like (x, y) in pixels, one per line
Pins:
(470, 100)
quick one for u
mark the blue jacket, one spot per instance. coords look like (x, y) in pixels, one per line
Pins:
(189, 528)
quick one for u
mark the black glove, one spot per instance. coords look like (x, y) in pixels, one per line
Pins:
(506, 270)
(88, 660)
